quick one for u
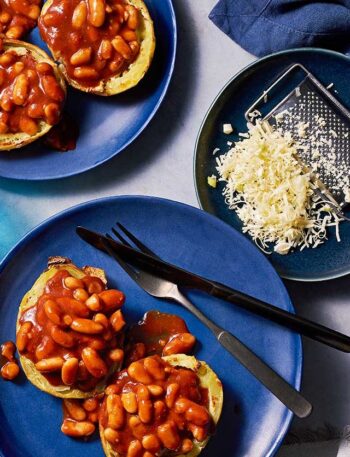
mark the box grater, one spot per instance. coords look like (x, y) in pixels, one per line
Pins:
(321, 125)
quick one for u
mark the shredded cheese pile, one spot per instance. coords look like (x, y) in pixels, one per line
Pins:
(271, 192)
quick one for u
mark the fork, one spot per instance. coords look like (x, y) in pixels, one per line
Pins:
(161, 288)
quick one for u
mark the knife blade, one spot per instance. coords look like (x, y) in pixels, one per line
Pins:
(184, 278)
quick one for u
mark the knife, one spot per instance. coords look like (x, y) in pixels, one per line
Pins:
(187, 279)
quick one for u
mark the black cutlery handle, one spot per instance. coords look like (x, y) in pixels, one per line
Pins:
(294, 322)
(268, 377)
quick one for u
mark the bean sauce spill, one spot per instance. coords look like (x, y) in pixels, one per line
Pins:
(63, 136)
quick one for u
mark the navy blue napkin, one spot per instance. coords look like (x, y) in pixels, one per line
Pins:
(262, 27)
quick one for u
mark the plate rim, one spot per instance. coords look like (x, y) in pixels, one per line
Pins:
(288, 415)
(136, 134)
(235, 77)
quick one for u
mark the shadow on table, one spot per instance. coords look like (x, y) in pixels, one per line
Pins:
(151, 143)
(326, 372)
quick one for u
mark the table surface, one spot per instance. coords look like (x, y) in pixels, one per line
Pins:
(206, 60)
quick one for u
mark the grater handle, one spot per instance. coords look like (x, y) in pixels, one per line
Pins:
(274, 84)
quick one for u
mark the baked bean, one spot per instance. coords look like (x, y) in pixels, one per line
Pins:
(77, 429)
(3, 127)
(15, 32)
(16, 69)
(96, 15)
(51, 20)
(22, 336)
(112, 299)
(135, 47)
(74, 409)
(181, 343)
(194, 413)
(44, 68)
(96, 343)
(28, 126)
(112, 436)
(159, 409)
(7, 58)
(45, 348)
(145, 411)
(90, 404)
(6, 103)
(199, 433)
(129, 402)
(83, 373)
(121, 46)
(186, 446)
(168, 435)
(35, 111)
(148, 454)
(70, 371)
(155, 390)
(73, 283)
(74, 307)
(117, 320)
(53, 312)
(8, 350)
(94, 303)
(151, 443)
(154, 366)
(94, 363)
(101, 319)
(139, 430)
(116, 355)
(172, 391)
(2, 76)
(94, 286)
(33, 12)
(112, 389)
(49, 365)
(116, 64)
(61, 337)
(116, 415)
(10, 371)
(86, 326)
(67, 319)
(134, 449)
(81, 57)
(52, 89)
(137, 371)
(32, 77)
(133, 19)
(105, 50)
(129, 35)
(20, 90)
(79, 15)
(80, 294)
(93, 417)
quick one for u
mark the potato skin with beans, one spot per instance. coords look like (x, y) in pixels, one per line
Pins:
(63, 330)
(147, 442)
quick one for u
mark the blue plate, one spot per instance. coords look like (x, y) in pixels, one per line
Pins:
(330, 260)
(254, 422)
(107, 124)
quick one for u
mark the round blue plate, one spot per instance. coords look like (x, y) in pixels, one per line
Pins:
(107, 124)
(253, 422)
(330, 260)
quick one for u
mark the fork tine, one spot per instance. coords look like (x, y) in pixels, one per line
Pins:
(120, 237)
(127, 268)
(137, 242)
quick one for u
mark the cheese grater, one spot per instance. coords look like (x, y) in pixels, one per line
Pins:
(321, 125)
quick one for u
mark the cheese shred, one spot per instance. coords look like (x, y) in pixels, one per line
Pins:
(272, 194)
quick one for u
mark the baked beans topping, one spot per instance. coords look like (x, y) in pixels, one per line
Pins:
(158, 333)
(96, 39)
(80, 416)
(29, 94)
(18, 17)
(153, 407)
(68, 341)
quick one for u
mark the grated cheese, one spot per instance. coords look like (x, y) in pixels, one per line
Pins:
(227, 129)
(272, 194)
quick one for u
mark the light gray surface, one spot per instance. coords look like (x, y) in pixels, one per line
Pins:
(160, 163)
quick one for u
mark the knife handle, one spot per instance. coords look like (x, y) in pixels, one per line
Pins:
(257, 367)
(266, 375)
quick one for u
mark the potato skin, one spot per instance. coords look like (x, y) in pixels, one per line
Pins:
(29, 300)
(208, 380)
(9, 141)
(136, 71)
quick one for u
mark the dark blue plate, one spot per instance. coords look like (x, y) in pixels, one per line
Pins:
(254, 422)
(330, 260)
(107, 124)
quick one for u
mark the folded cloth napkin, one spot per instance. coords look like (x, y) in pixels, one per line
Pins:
(265, 26)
